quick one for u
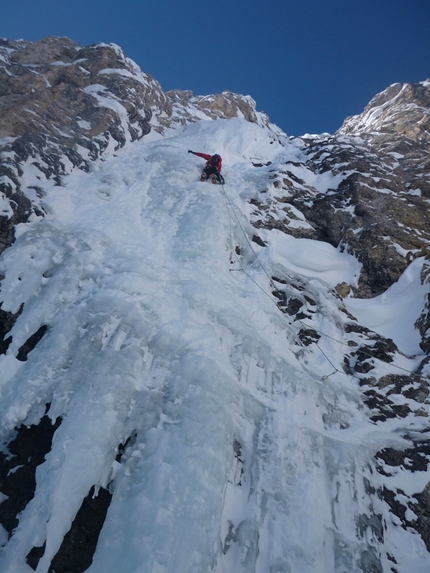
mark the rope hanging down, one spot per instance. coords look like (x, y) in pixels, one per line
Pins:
(228, 202)
(241, 269)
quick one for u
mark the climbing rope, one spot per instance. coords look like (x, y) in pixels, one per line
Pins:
(304, 325)
(229, 204)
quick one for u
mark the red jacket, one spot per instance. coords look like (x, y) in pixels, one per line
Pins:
(209, 160)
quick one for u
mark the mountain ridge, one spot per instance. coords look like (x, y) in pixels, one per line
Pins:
(360, 194)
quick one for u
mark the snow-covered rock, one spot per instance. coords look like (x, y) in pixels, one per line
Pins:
(201, 378)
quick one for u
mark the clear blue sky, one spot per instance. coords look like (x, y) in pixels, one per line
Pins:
(307, 63)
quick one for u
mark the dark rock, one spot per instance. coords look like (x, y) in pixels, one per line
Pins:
(384, 407)
(31, 342)
(259, 241)
(26, 450)
(7, 320)
(79, 544)
(308, 336)
(415, 459)
(422, 509)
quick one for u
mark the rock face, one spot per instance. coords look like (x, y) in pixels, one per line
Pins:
(57, 89)
(189, 108)
(375, 202)
(370, 199)
(63, 106)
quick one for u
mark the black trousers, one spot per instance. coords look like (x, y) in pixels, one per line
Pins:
(209, 170)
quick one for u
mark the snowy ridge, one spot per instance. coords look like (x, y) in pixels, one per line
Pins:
(109, 102)
(387, 112)
(246, 444)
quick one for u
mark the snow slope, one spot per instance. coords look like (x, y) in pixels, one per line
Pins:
(393, 314)
(245, 452)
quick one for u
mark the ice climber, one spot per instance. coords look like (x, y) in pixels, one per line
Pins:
(212, 168)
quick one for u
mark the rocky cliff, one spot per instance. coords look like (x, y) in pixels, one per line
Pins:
(375, 205)
(365, 190)
(63, 106)
(370, 199)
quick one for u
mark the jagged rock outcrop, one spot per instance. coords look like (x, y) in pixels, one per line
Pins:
(56, 89)
(63, 105)
(375, 201)
(401, 109)
(226, 105)
(370, 198)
